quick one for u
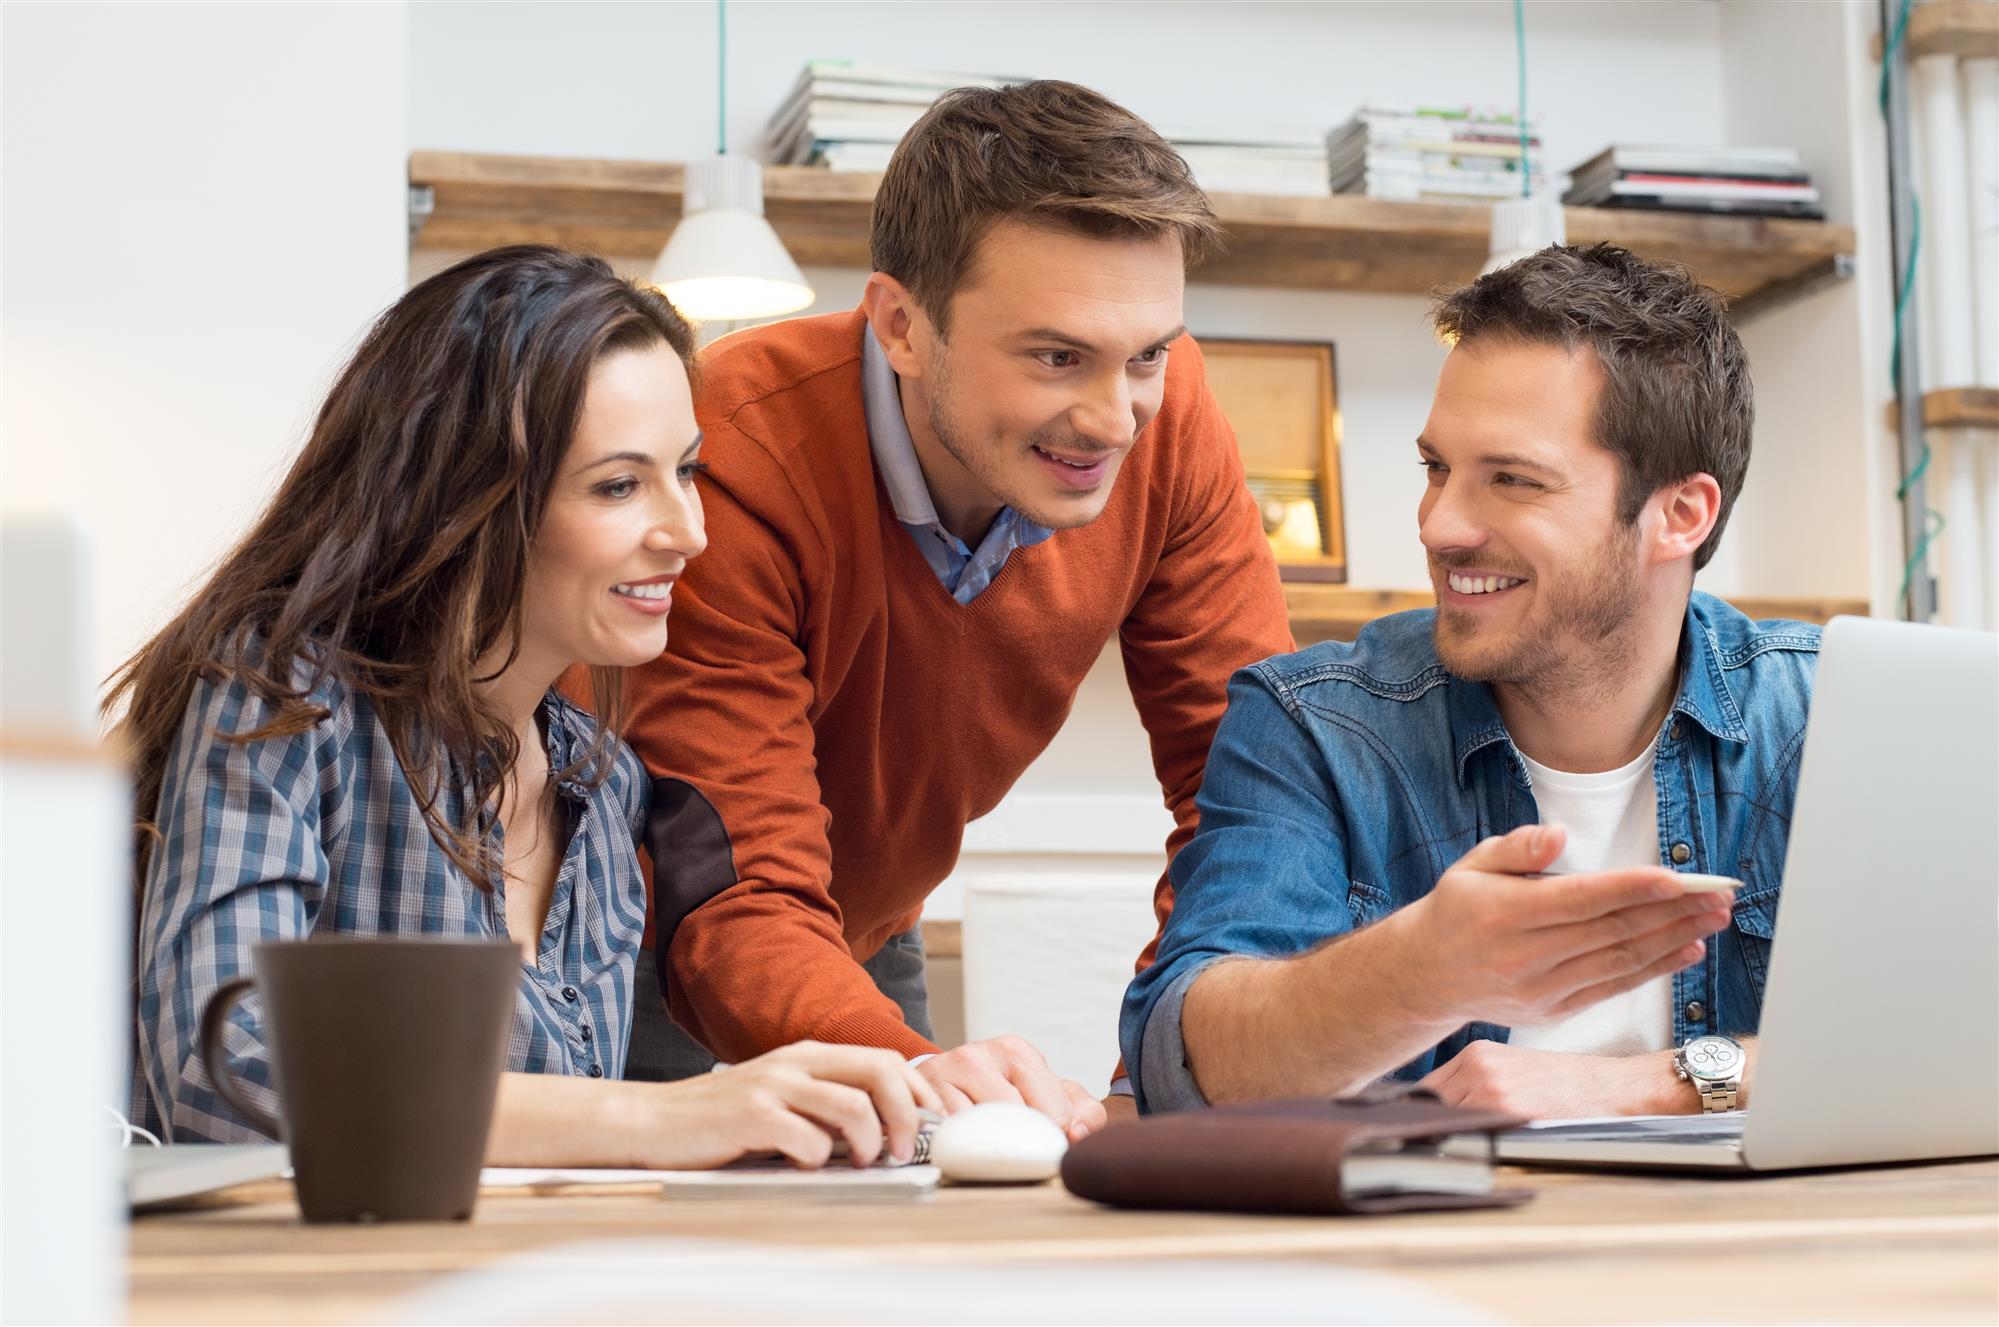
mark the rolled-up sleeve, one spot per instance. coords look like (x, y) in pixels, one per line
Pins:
(1265, 876)
(238, 860)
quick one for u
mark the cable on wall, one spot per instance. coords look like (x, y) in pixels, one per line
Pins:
(1520, 111)
(1933, 521)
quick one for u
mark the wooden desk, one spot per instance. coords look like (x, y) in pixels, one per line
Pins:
(1902, 1244)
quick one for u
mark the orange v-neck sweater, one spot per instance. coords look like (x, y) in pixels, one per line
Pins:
(827, 718)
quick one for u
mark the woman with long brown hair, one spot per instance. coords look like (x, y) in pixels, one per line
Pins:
(352, 728)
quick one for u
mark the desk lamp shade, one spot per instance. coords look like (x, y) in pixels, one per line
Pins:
(723, 261)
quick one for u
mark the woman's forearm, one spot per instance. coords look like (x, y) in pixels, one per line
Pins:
(555, 1120)
(792, 1102)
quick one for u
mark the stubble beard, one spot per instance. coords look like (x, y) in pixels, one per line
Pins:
(1578, 641)
(985, 463)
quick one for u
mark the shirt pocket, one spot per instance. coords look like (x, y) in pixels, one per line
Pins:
(1367, 904)
(1755, 927)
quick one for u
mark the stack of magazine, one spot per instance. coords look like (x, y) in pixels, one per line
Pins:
(1754, 181)
(1432, 154)
(849, 117)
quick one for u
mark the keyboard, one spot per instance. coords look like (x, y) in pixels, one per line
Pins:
(1724, 1129)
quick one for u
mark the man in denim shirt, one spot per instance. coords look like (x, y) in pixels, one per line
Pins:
(1364, 897)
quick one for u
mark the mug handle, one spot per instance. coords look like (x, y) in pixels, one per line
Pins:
(213, 1019)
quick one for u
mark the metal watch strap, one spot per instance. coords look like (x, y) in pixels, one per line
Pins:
(1717, 1097)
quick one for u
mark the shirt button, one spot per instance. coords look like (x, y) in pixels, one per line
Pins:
(596, 1071)
(586, 1032)
(1696, 1011)
(1674, 731)
(1681, 854)
(569, 994)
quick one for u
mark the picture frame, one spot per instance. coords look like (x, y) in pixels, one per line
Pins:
(1281, 398)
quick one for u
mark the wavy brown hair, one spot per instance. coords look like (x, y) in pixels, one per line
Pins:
(395, 552)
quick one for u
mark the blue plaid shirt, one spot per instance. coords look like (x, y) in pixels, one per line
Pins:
(319, 833)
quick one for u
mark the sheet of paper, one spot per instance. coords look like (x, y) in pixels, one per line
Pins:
(508, 1177)
(744, 1179)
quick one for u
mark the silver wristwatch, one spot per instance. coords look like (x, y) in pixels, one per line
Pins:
(1714, 1066)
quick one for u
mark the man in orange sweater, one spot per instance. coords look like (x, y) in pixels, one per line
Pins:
(926, 519)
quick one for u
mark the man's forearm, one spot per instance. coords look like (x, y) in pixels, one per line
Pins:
(750, 974)
(1322, 1024)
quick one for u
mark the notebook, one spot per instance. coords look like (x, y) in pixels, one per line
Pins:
(1396, 1152)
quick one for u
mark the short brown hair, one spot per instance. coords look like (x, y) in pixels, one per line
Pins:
(1677, 400)
(1046, 153)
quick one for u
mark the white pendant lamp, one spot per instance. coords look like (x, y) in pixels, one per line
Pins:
(723, 262)
(1523, 226)
(1531, 222)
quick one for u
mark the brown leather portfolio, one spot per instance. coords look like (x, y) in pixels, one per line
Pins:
(1411, 1152)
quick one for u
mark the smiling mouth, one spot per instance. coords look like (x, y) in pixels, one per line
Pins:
(1084, 466)
(1463, 584)
(650, 590)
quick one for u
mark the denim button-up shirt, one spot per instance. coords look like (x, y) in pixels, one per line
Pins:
(1346, 778)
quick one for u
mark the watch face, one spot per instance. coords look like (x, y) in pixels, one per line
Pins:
(1712, 1057)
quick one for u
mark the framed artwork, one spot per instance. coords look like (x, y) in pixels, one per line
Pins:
(1280, 398)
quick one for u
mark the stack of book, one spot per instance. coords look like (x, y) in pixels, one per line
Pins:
(849, 117)
(1295, 166)
(1755, 181)
(1430, 154)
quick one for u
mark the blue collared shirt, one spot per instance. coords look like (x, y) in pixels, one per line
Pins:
(319, 833)
(964, 571)
(1345, 778)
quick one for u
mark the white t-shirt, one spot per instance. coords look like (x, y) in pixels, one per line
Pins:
(1613, 822)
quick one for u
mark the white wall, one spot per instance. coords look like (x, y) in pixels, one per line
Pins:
(1795, 527)
(204, 205)
(638, 80)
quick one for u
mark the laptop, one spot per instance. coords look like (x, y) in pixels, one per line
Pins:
(164, 1176)
(1880, 1031)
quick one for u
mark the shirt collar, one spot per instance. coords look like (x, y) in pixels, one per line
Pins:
(888, 437)
(568, 739)
(1704, 694)
(1704, 697)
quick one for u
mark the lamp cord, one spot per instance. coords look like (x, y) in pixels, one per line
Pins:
(721, 77)
(1933, 520)
(1520, 48)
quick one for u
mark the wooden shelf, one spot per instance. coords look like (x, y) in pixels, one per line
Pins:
(627, 208)
(1952, 27)
(1338, 612)
(1954, 407)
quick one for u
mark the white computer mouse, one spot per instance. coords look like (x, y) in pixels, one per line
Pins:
(999, 1142)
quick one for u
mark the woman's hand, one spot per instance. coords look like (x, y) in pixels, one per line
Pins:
(794, 1101)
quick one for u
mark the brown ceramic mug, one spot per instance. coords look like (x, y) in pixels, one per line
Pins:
(386, 1054)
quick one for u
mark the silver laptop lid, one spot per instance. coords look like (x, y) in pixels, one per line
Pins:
(1880, 1029)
